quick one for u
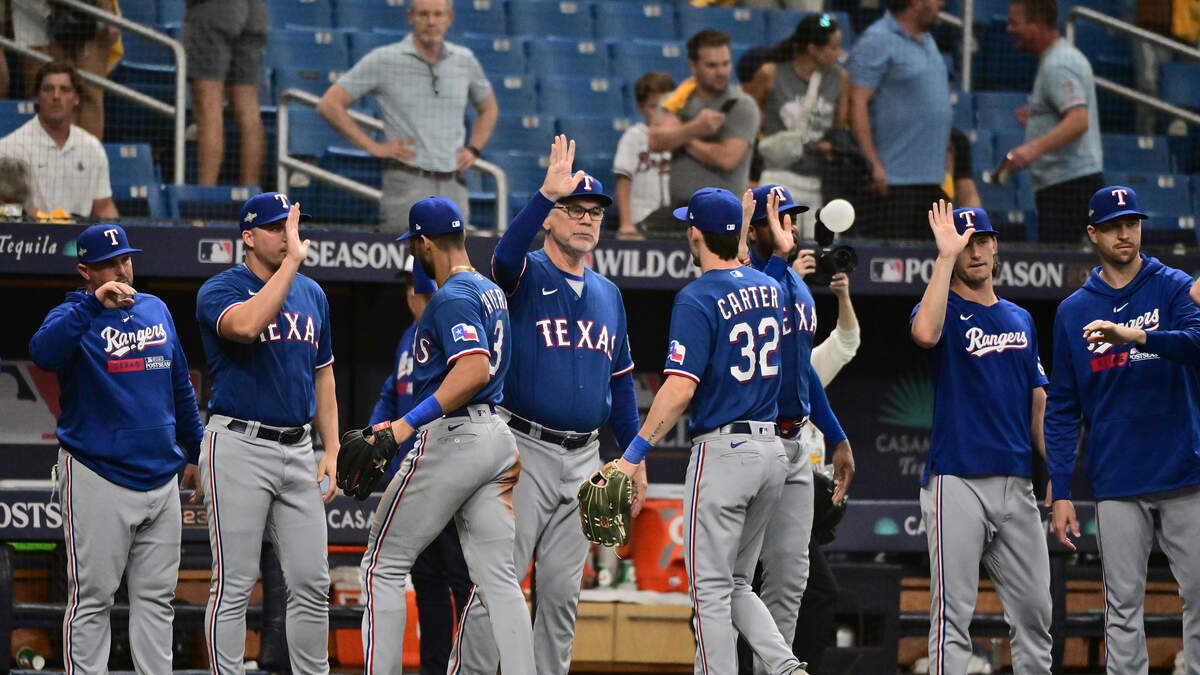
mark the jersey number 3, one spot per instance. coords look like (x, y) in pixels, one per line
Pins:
(755, 359)
(497, 349)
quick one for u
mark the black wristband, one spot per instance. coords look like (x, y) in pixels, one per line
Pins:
(473, 150)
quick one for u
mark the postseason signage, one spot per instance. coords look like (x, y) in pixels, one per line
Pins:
(358, 255)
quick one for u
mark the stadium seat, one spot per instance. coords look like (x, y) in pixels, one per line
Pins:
(964, 109)
(1164, 193)
(131, 164)
(581, 96)
(307, 13)
(336, 205)
(998, 64)
(1109, 53)
(633, 58)
(996, 198)
(1137, 154)
(781, 23)
(542, 18)
(1025, 195)
(525, 171)
(13, 114)
(316, 49)
(578, 58)
(515, 95)
(983, 150)
(313, 81)
(594, 134)
(530, 133)
(483, 17)
(994, 110)
(1177, 84)
(988, 11)
(621, 21)
(364, 15)
(144, 12)
(217, 202)
(1196, 194)
(499, 55)
(744, 25)
(1015, 225)
(139, 201)
(847, 27)
(363, 42)
(141, 50)
(170, 12)
(599, 165)
(309, 134)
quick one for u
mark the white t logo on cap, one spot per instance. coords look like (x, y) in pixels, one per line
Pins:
(112, 236)
(779, 193)
(283, 199)
(1120, 195)
(587, 182)
(969, 216)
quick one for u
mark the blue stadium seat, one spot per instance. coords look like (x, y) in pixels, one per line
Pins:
(621, 21)
(558, 56)
(139, 201)
(1015, 225)
(964, 109)
(994, 110)
(308, 13)
(594, 134)
(541, 18)
(309, 134)
(218, 202)
(998, 64)
(1138, 154)
(131, 164)
(484, 17)
(141, 50)
(996, 198)
(364, 15)
(1177, 84)
(1196, 194)
(311, 80)
(988, 11)
(498, 55)
(516, 95)
(599, 165)
(316, 49)
(781, 23)
(1109, 53)
(170, 12)
(846, 25)
(744, 25)
(1024, 186)
(144, 12)
(363, 42)
(633, 58)
(983, 150)
(530, 133)
(581, 96)
(13, 114)
(338, 206)
(525, 171)
(1163, 193)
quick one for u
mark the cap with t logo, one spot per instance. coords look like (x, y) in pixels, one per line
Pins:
(1111, 202)
(101, 242)
(265, 208)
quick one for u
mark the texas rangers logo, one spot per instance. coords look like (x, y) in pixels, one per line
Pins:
(464, 332)
(112, 236)
(587, 182)
(1120, 194)
(781, 195)
(969, 217)
(676, 352)
(981, 344)
(118, 344)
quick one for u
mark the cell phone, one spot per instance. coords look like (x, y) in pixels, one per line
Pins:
(728, 105)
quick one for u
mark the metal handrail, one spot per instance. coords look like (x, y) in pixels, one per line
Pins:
(1133, 31)
(286, 162)
(968, 41)
(179, 110)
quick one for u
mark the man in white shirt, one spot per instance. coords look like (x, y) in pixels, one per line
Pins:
(68, 166)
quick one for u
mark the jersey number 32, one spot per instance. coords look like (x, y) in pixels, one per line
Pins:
(757, 350)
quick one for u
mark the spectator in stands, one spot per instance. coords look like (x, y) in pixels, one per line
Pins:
(708, 124)
(802, 93)
(84, 43)
(643, 177)
(224, 41)
(14, 187)
(422, 84)
(1178, 20)
(70, 168)
(1062, 126)
(901, 116)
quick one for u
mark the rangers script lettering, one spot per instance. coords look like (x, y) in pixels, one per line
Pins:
(982, 344)
(1147, 322)
(118, 344)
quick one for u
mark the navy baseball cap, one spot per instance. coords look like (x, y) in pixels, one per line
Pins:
(786, 203)
(265, 208)
(432, 216)
(712, 210)
(101, 242)
(1111, 202)
(976, 218)
(590, 187)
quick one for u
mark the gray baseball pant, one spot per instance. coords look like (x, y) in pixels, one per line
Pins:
(402, 189)
(546, 505)
(1125, 532)
(460, 467)
(112, 531)
(250, 486)
(993, 519)
(732, 487)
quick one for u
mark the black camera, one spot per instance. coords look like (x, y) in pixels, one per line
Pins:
(831, 260)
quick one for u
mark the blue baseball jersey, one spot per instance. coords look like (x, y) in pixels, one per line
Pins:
(126, 395)
(272, 379)
(467, 315)
(726, 329)
(396, 399)
(799, 330)
(984, 370)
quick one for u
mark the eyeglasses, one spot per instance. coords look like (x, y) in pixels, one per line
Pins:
(575, 212)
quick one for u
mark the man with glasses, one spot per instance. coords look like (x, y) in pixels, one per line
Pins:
(422, 85)
(570, 372)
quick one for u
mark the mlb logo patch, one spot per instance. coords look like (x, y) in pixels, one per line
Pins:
(677, 352)
(737, 274)
(464, 332)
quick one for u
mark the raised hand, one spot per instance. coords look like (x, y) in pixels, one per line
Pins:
(1112, 333)
(782, 236)
(559, 181)
(115, 295)
(296, 250)
(941, 220)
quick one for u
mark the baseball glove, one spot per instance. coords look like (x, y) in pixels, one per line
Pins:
(826, 514)
(605, 503)
(360, 464)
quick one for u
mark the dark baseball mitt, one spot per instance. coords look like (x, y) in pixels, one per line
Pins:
(360, 464)
(826, 514)
(605, 505)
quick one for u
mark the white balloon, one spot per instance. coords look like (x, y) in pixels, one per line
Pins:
(838, 215)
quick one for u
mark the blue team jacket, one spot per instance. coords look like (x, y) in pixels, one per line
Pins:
(1138, 404)
(126, 396)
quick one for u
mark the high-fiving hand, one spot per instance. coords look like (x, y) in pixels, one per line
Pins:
(296, 250)
(559, 181)
(941, 220)
(783, 237)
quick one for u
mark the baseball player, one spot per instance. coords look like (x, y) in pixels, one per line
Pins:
(723, 359)
(439, 574)
(569, 323)
(784, 555)
(464, 463)
(126, 400)
(977, 491)
(1125, 349)
(265, 329)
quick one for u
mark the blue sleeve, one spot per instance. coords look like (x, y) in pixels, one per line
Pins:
(691, 340)
(1037, 373)
(325, 339)
(508, 260)
(622, 358)
(624, 418)
(1063, 412)
(54, 344)
(868, 62)
(1182, 342)
(189, 430)
(385, 407)
(776, 268)
(820, 412)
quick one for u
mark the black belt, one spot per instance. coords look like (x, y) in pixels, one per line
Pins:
(416, 170)
(465, 411)
(568, 441)
(731, 428)
(290, 436)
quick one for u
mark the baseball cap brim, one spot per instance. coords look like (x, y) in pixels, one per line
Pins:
(604, 199)
(681, 213)
(113, 254)
(304, 217)
(1118, 214)
(406, 236)
(794, 208)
